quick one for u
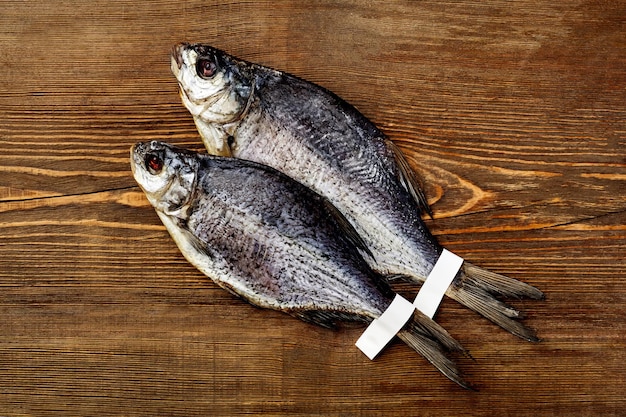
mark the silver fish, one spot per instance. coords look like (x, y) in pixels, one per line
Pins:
(253, 112)
(273, 242)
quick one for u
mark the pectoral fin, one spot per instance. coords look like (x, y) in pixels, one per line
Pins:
(215, 140)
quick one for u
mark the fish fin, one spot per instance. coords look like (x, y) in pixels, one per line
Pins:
(500, 284)
(400, 277)
(348, 230)
(215, 140)
(190, 238)
(409, 179)
(475, 288)
(433, 342)
(326, 318)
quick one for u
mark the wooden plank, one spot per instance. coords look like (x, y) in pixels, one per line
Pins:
(512, 113)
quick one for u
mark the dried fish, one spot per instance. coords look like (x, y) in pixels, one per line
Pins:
(273, 242)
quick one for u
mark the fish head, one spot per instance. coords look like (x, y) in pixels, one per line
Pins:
(215, 87)
(166, 174)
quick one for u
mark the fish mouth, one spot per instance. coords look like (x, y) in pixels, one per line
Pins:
(177, 54)
(136, 152)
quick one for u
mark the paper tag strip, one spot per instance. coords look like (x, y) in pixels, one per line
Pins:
(430, 295)
(380, 331)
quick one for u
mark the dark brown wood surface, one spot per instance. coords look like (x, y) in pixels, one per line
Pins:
(513, 113)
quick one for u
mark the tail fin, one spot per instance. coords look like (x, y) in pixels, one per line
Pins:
(476, 288)
(500, 284)
(432, 341)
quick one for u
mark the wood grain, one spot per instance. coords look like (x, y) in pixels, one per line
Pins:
(513, 114)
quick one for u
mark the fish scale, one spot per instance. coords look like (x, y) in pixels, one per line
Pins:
(259, 113)
(232, 210)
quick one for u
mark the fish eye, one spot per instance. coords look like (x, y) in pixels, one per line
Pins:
(154, 163)
(206, 68)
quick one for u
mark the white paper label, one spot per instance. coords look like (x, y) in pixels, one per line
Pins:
(430, 295)
(380, 331)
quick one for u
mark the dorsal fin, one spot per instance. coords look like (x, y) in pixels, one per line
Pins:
(410, 180)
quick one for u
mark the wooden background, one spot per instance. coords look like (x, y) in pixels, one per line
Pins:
(514, 113)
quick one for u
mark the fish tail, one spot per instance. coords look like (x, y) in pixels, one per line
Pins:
(433, 342)
(500, 284)
(477, 289)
